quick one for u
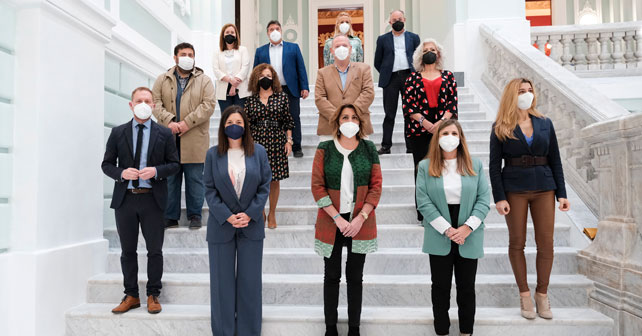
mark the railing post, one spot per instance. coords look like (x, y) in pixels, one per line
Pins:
(618, 55)
(556, 48)
(541, 43)
(629, 54)
(580, 49)
(638, 52)
(605, 55)
(566, 51)
(593, 51)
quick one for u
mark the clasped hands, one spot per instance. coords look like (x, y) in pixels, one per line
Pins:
(239, 220)
(459, 234)
(135, 174)
(350, 229)
(179, 128)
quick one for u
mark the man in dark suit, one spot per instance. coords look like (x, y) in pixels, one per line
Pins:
(287, 61)
(139, 156)
(393, 60)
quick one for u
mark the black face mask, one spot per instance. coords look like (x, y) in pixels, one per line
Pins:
(229, 38)
(429, 58)
(265, 83)
(397, 26)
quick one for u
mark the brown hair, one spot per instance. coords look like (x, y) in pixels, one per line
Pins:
(253, 84)
(335, 120)
(141, 88)
(437, 161)
(337, 32)
(507, 115)
(222, 43)
(246, 140)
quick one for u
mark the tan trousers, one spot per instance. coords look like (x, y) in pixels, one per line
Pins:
(542, 205)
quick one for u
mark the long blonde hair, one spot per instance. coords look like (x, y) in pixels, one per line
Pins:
(507, 115)
(337, 32)
(437, 162)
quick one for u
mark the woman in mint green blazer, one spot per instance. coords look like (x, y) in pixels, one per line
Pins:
(454, 198)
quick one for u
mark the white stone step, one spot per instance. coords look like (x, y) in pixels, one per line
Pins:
(378, 107)
(378, 290)
(378, 99)
(384, 261)
(194, 320)
(302, 236)
(387, 161)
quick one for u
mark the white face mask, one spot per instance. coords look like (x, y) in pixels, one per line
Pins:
(344, 28)
(275, 36)
(349, 129)
(142, 111)
(341, 53)
(448, 143)
(525, 100)
(186, 63)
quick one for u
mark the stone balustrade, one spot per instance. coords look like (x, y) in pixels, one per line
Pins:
(601, 148)
(608, 46)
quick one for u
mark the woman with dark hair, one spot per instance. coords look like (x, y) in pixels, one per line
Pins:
(532, 178)
(454, 198)
(346, 184)
(237, 180)
(231, 65)
(268, 110)
(429, 98)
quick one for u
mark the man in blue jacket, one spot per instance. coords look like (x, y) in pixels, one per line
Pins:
(393, 60)
(287, 61)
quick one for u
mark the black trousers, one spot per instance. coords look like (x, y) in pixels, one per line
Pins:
(143, 209)
(295, 111)
(441, 269)
(390, 100)
(332, 278)
(419, 145)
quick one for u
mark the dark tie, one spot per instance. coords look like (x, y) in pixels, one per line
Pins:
(139, 148)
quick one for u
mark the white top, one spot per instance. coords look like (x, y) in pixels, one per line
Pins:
(236, 168)
(233, 63)
(452, 189)
(276, 60)
(347, 180)
(401, 59)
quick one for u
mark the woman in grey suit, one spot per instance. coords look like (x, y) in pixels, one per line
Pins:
(237, 179)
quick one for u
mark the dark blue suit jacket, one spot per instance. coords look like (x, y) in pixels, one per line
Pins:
(296, 77)
(119, 155)
(223, 202)
(385, 54)
(535, 178)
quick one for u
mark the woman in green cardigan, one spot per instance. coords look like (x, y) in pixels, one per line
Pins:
(454, 198)
(346, 184)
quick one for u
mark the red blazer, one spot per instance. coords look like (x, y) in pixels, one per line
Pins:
(414, 100)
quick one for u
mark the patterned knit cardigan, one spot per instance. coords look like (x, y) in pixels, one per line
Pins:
(326, 189)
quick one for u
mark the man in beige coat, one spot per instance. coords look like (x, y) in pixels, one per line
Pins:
(184, 98)
(341, 83)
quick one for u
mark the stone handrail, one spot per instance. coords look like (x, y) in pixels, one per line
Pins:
(562, 96)
(592, 47)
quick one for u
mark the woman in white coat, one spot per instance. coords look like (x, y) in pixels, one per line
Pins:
(231, 65)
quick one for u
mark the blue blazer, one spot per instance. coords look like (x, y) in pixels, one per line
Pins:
(223, 202)
(535, 178)
(294, 72)
(385, 54)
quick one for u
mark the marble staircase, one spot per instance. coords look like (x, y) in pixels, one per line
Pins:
(397, 277)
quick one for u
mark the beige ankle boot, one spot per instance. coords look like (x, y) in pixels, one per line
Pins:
(543, 306)
(526, 304)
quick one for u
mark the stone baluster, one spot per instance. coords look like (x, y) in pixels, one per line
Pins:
(556, 48)
(618, 55)
(638, 52)
(541, 43)
(629, 51)
(605, 55)
(566, 58)
(580, 52)
(593, 51)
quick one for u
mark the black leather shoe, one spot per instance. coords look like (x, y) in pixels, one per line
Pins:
(384, 150)
(195, 223)
(353, 331)
(408, 151)
(171, 223)
(331, 330)
(298, 153)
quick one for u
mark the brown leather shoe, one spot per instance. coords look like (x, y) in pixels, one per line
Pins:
(153, 306)
(129, 302)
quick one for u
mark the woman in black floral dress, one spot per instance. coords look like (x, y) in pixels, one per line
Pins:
(268, 109)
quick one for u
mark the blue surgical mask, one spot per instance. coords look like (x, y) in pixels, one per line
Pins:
(234, 131)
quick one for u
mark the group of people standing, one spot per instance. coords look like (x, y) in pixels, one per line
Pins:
(260, 126)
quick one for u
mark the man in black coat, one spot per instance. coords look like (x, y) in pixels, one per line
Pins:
(139, 156)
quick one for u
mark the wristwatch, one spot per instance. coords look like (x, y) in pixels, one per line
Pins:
(364, 214)
(421, 120)
(290, 141)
